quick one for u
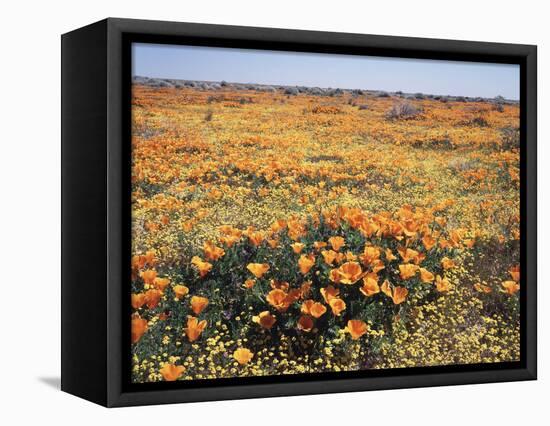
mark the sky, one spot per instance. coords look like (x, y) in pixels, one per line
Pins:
(325, 70)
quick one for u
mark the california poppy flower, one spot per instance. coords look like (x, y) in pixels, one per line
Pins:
(249, 283)
(256, 238)
(305, 323)
(514, 273)
(329, 256)
(161, 283)
(211, 252)
(336, 243)
(139, 327)
(180, 291)
(305, 289)
(407, 254)
(148, 276)
(258, 269)
(315, 309)
(150, 258)
(447, 263)
(194, 328)
(243, 355)
(198, 304)
(442, 284)
(350, 273)
(356, 328)
(329, 292)
(370, 255)
(138, 300)
(389, 255)
(203, 267)
(397, 294)
(171, 372)
(407, 271)
(152, 298)
(426, 276)
(510, 287)
(337, 305)
(429, 241)
(297, 247)
(317, 245)
(278, 299)
(370, 286)
(264, 319)
(482, 288)
(305, 263)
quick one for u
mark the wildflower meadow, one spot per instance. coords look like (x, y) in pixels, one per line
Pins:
(290, 230)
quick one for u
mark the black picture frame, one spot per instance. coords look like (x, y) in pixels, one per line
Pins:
(96, 209)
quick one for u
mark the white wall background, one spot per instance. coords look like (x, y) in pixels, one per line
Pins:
(30, 210)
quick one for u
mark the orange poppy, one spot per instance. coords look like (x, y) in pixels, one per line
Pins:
(329, 256)
(138, 300)
(198, 304)
(336, 243)
(370, 286)
(510, 287)
(297, 247)
(256, 238)
(407, 254)
(138, 262)
(243, 356)
(334, 276)
(139, 327)
(180, 291)
(428, 241)
(264, 319)
(389, 255)
(152, 298)
(329, 293)
(305, 323)
(203, 267)
(171, 372)
(258, 269)
(397, 294)
(278, 299)
(211, 252)
(442, 284)
(408, 271)
(194, 328)
(273, 243)
(315, 309)
(148, 276)
(281, 285)
(370, 255)
(305, 289)
(150, 258)
(426, 276)
(305, 263)
(483, 288)
(337, 305)
(514, 273)
(249, 283)
(161, 283)
(356, 328)
(350, 273)
(319, 245)
(447, 263)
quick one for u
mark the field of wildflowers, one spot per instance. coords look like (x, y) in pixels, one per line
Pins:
(277, 233)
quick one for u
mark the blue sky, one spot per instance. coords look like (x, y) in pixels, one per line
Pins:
(325, 70)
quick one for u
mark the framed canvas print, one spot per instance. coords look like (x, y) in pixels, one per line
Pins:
(252, 212)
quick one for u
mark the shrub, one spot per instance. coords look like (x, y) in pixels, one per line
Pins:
(403, 111)
(510, 138)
